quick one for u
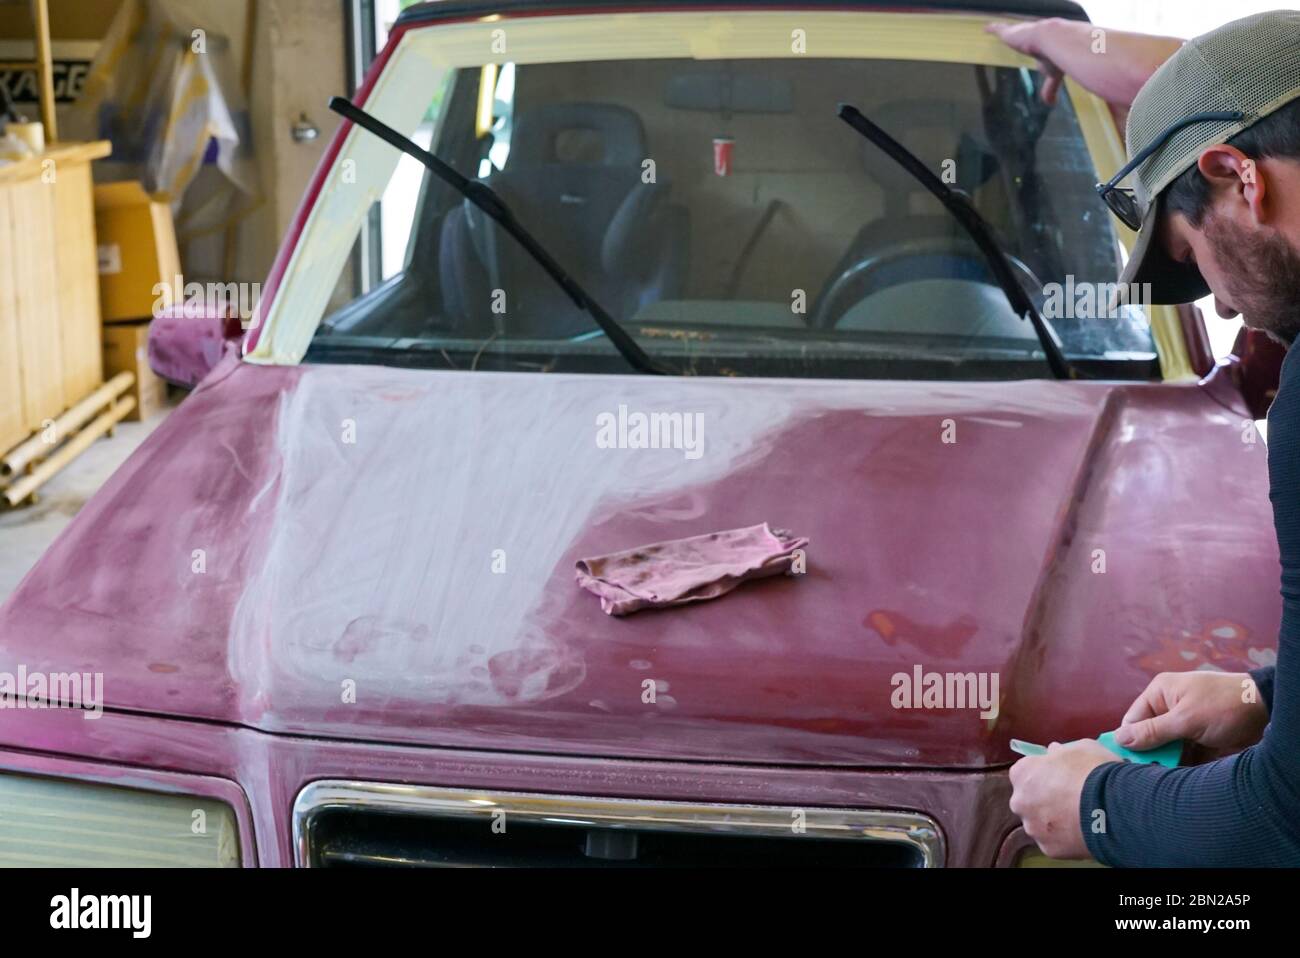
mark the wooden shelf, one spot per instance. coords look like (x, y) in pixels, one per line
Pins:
(50, 337)
(33, 167)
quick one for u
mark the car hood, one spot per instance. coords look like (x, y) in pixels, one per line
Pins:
(388, 555)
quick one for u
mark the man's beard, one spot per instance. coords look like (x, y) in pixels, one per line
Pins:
(1264, 276)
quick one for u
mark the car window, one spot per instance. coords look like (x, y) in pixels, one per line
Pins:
(723, 213)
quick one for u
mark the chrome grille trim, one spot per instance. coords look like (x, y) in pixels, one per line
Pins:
(910, 828)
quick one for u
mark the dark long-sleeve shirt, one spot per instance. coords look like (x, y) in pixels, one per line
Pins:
(1243, 810)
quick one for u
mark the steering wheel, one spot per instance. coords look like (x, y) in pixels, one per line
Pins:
(862, 278)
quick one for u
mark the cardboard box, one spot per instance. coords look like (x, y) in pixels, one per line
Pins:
(137, 251)
(126, 347)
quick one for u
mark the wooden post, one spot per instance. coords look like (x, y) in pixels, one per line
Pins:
(45, 69)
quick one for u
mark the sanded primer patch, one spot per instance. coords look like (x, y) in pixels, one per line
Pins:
(378, 568)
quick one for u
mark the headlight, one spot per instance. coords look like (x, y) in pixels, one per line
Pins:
(1033, 858)
(55, 822)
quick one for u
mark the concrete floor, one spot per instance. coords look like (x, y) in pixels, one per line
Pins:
(26, 532)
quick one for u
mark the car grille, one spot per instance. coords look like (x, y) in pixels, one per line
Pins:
(342, 824)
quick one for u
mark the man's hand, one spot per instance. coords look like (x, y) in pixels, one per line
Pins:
(1027, 37)
(1219, 710)
(1045, 792)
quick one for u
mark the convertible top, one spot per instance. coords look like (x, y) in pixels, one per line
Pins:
(461, 9)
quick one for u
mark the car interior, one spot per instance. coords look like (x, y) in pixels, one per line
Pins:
(810, 230)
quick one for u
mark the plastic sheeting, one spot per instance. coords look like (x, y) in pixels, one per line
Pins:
(162, 89)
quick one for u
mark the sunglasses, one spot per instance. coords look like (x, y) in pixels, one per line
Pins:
(1123, 201)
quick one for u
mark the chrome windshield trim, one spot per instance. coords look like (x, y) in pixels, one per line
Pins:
(909, 828)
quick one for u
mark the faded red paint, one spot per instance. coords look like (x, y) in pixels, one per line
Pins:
(943, 641)
(1221, 645)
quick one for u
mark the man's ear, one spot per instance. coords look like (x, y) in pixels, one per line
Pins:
(1231, 171)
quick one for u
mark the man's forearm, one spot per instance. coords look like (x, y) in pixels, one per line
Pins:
(1231, 813)
(1112, 64)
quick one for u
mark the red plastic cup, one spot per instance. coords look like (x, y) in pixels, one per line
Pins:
(722, 148)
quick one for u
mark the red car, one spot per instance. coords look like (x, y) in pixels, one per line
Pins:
(332, 602)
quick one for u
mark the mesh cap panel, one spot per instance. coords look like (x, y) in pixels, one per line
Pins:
(1250, 66)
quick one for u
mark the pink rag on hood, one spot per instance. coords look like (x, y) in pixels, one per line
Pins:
(686, 570)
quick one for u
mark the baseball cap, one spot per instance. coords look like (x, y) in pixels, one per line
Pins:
(1245, 70)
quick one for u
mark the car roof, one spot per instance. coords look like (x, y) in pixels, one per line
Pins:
(461, 9)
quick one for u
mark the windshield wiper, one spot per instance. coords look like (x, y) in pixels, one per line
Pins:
(482, 196)
(976, 227)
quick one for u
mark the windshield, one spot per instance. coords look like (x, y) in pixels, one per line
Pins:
(723, 214)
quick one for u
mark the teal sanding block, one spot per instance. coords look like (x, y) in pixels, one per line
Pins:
(1169, 754)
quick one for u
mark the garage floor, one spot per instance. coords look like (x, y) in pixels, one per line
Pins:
(27, 532)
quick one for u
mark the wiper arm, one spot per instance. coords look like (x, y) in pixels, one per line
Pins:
(976, 227)
(482, 196)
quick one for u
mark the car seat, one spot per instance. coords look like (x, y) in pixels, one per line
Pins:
(618, 236)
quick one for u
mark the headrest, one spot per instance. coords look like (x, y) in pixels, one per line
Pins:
(538, 130)
(961, 124)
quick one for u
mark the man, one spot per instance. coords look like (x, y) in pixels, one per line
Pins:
(1214, 147)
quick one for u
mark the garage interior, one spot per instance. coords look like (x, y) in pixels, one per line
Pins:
(73, 317)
